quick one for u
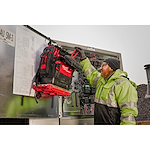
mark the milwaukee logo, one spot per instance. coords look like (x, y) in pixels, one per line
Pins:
(66, 69)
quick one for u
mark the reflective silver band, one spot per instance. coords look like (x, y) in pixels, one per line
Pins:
(128, 104)
(111, 93)
(89, 70)
(119, 81)
(128, 118)
(95, 80)
(101, 101)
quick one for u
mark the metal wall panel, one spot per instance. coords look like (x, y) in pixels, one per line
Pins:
(45, 121)
(77, 120)
(12, 106)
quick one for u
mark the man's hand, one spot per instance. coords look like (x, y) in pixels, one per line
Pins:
(81, 53)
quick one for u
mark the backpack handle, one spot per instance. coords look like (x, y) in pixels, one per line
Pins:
(74, 55)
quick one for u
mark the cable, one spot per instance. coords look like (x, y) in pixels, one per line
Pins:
(90, 112)
(92, 106)
(86, 110)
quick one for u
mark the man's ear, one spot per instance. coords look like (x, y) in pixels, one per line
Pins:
(111, 69)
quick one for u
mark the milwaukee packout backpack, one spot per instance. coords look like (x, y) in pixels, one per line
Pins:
(54, 75)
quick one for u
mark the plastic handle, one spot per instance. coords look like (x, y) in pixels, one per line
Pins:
(75, 54)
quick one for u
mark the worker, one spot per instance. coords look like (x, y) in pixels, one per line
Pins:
(116, 96)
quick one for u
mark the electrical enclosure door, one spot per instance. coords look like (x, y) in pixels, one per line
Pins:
(81, 101)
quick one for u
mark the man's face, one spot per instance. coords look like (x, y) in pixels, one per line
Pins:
(106, 71)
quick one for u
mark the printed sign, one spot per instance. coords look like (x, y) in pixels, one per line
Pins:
(7, 37)
(27, 56)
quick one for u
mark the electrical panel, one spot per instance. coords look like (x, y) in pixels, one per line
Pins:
(81, 99)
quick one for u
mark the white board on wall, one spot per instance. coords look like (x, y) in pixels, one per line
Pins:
(27, 54)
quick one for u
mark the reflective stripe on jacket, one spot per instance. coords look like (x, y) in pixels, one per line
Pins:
(116, 92)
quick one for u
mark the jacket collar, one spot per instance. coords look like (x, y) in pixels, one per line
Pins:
(117, 74)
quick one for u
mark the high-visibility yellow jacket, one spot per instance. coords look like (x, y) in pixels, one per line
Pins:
(116, 97)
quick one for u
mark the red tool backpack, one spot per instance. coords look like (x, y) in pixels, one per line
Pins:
(54, 75)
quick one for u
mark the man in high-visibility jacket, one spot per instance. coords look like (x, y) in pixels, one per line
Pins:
(116, 96)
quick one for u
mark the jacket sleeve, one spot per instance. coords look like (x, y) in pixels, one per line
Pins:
(90, 72)
(126, 95)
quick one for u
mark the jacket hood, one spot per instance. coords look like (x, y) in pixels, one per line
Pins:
(118, 73)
